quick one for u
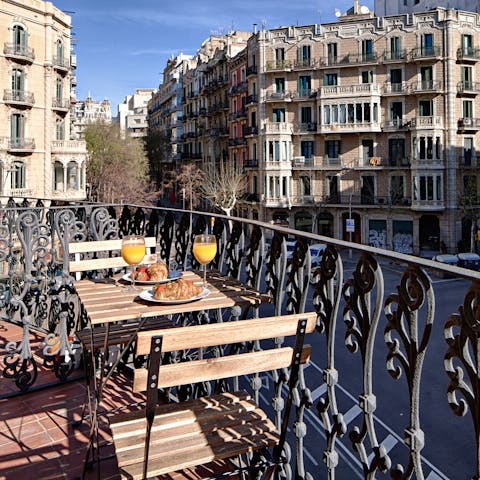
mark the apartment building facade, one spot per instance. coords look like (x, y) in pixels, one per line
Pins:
(89, 111)
(133, 111)
(367, 124)
(38, 155)
(396, 7)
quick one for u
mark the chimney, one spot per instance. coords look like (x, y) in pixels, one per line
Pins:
(254, 28)
(355, 7)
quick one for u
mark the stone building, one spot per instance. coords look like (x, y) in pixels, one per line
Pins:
(132, 113)
(395, 7)
(369, 119)
(39, 156)
(165, 114)
(90, 111)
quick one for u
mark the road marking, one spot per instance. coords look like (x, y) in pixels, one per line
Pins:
(388, 443)
(319, 391)
(434, 476)
(355, 411)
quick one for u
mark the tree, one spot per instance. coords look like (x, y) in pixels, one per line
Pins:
(158, 148)
(190, 180)
(223, 185)
(117, 168)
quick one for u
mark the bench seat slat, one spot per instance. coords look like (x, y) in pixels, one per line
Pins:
(189, 433)
(123, 419)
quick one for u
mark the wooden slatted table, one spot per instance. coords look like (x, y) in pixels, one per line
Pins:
(106, 302)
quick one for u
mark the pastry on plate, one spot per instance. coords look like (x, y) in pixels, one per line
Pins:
(157, 271)
(178, 290)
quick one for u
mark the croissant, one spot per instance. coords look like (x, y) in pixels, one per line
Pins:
(179, 290)
(157, 271)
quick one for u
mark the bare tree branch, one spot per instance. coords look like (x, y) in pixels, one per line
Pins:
(223, 185)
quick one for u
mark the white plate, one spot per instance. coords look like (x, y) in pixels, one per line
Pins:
(148, 296)
(173, 275)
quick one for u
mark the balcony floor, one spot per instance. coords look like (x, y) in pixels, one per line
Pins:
(37, 439)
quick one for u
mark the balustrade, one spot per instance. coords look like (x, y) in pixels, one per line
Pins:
(372, 406)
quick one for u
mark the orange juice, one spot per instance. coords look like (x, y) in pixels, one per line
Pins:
(133, 253)
(204, 252)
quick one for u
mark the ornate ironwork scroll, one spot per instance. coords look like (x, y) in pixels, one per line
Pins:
(182, 240)
(254, 258)
(234, 250)
(327, 281)
(166, 232)
(20, 364)
(407, 345)
(362, 322)
(275, 270)
(220, 231)
(462, 361)
(298, 277)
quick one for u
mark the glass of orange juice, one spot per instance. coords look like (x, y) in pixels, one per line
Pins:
(133, 251)
(204, 250)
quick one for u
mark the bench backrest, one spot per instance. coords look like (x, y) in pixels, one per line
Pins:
(112, 258)
(214, 334)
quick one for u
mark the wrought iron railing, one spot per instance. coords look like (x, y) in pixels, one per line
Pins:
(431, 332)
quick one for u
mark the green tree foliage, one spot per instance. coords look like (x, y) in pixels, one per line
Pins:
(117, 167)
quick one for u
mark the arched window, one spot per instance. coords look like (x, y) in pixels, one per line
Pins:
(18, 175)
(19, 39)
(60, 53)
(58, 184)
(72, 175)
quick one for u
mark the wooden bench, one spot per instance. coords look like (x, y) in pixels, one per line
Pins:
(105, 255)
(156, 440)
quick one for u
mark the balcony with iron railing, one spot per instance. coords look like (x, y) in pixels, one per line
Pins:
(20, 144)
(18, 98)
(279, 65)
(427, 86)
(468, 88)
(61, 104)
(391, 384)
(61, 63)
(468, 54)
(433, 52)
(394, 55)
(19, 52)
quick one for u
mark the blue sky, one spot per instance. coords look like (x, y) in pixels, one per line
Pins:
(122, 45)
